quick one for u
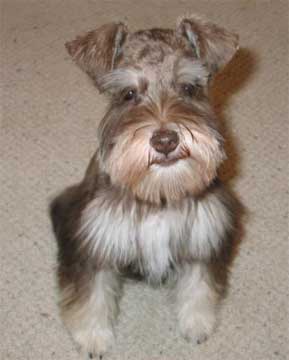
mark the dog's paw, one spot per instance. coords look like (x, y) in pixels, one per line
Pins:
(95, 343)
(197, 327)
(95, 357)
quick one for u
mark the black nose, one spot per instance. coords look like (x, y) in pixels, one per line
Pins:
(164, 141)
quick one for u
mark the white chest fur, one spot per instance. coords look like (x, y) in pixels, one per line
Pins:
(118, 234)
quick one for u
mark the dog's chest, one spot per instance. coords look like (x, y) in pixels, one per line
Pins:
(158, 237)
(124, 236)
(155, 239)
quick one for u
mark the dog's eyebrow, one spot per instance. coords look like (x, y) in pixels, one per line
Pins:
(119, 79)
(191, 71)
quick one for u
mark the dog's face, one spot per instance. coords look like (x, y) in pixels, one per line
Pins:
(159, 135)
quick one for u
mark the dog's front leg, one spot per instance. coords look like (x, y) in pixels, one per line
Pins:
(196, 299)
(89, 306)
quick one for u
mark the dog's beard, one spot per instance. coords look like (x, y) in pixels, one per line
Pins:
(152, 176)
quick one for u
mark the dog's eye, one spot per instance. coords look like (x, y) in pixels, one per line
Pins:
(130, 95)
(190, 89)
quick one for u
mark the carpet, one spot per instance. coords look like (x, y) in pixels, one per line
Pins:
(49, 111)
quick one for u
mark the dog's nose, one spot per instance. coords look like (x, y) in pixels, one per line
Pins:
(164, 141)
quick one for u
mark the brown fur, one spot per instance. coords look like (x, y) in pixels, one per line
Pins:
(96, 51)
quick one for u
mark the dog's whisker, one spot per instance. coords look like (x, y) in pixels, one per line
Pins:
(149, 160)
(140, 128)
(189, 131)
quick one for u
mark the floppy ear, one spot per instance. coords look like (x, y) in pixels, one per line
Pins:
(96, 51)
(210, 43)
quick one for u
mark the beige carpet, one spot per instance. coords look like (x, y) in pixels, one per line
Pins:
(49, 111)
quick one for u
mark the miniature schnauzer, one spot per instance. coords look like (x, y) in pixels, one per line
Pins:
(150, 202)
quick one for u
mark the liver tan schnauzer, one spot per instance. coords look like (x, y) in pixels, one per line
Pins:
(150, 204)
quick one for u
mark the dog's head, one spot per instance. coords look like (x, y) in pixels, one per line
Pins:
(159, 135)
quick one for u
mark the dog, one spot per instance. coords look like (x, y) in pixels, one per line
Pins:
(151, 203)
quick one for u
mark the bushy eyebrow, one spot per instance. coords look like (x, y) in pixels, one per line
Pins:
(120, 79)
(185, 71)
(191, 71)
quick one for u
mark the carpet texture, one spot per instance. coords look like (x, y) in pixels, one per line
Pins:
(49, 112)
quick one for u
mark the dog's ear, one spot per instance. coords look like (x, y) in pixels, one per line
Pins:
(210, 43)
(96, 51)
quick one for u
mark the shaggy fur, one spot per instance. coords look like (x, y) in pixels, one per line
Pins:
(150, 202)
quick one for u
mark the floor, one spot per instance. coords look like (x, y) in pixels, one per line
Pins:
(49, 111)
